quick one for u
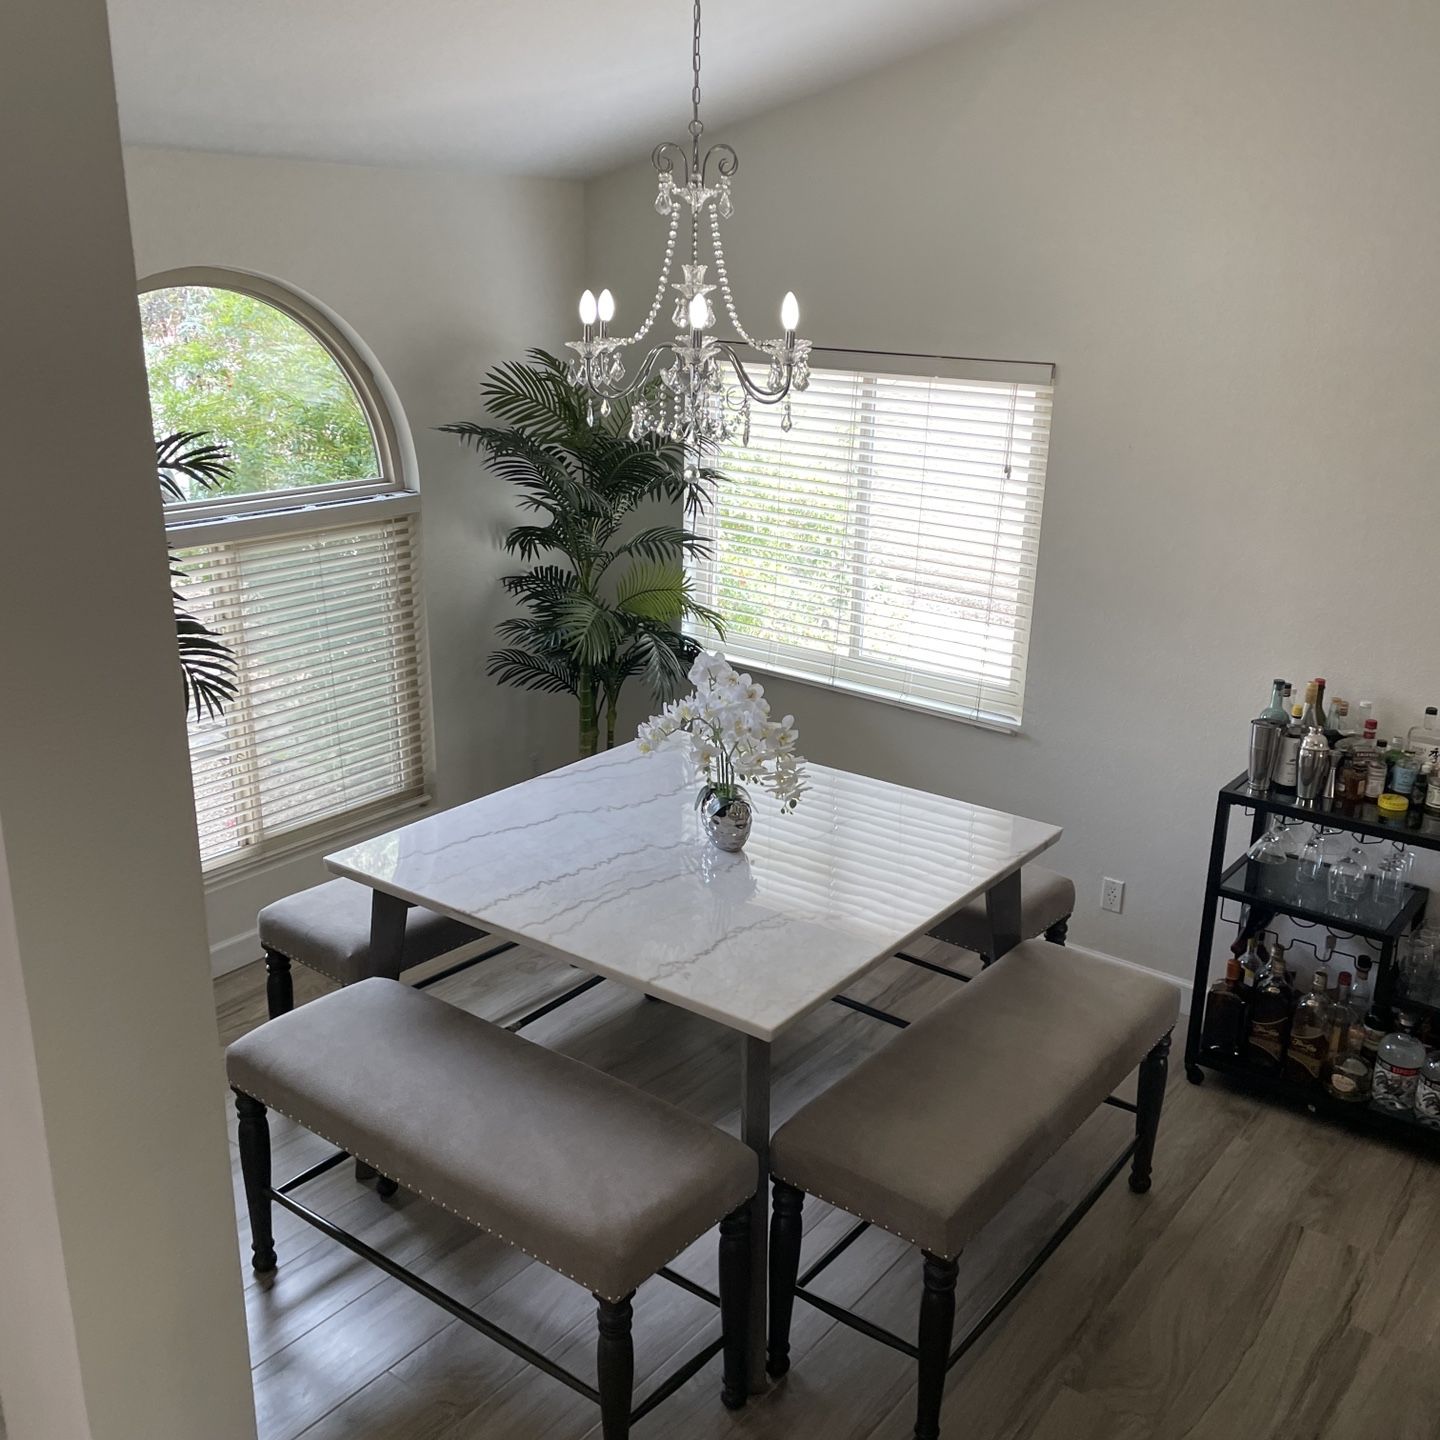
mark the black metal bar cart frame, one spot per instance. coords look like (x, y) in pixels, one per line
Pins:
(1251, 884)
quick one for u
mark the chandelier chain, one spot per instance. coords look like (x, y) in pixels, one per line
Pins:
(695, 126)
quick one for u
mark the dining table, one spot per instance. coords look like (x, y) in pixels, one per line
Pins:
(605, 864)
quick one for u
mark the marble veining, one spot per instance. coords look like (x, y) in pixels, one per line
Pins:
(605, 863)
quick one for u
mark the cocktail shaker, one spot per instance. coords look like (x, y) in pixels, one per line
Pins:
(1265, 738)
(1312, 768)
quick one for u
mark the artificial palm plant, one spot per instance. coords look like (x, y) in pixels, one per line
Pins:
(605, 599)
(207, 665)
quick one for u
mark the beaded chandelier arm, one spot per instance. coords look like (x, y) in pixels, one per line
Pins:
(693, 387)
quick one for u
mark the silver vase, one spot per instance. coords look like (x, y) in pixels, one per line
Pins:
(726, 817)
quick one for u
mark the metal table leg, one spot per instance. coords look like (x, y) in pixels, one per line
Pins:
(387, 947)
(1002, 910)
(387, 934)
(755, 1132)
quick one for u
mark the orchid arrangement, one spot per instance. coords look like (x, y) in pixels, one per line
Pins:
(732, 737)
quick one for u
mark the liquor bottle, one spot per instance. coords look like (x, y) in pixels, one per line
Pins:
(1225, 1015)
(1361, 997)
(1432, 790)
(1397, 1068)
(1275, 712)
(1310, 1034)
(1364, 713)
(1312, 717)
(1427, 1093)
(1327, 956)
(1347, 1076)
(1270, 1012)
(1323, 720)
(1285, 767)
(1340, 720)
(1425, 736)
(1375, 772)
(1400, 768)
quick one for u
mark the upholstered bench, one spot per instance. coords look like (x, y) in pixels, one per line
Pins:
(929, 1137)
(1047, 901)
(327, 929)
(584, 1173)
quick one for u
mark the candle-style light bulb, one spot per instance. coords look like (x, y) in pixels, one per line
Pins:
(606, 307)
(698, 312)
(587, 308)
(790, 312)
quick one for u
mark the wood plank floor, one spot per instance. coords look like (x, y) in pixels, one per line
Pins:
(1277, 1282)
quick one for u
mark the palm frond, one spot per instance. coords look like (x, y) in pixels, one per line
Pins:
(207, 666)
(589, 628)
(662, 542)
(553, 674)
(191, 455)
(653, 590)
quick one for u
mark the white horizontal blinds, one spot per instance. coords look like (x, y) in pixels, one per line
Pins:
(887, 543)
(325, 626)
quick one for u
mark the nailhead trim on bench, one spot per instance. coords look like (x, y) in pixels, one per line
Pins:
(470, 1219)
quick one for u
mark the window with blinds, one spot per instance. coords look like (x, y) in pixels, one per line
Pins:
(302, 555)
(887, 543)
(325, 627)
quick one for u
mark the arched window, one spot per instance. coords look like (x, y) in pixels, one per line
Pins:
(302, 557)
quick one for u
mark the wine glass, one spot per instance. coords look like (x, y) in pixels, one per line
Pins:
(1271, 852)
(1310, 871)
(1417, 969)
(1347, 883)
(1390, 882)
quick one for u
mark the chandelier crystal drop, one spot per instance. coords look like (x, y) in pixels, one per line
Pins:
(694, 388)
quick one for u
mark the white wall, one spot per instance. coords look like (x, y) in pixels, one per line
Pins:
(120, 1295)
(1220, 221)
(440, 276)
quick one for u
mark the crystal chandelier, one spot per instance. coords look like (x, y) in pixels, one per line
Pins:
(704, 393)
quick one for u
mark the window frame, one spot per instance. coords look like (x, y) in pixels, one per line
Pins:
(362, 381)
(392, 494)
(884, 364)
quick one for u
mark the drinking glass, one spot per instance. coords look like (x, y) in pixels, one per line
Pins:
(1418, 970)
(1390, 881)
(1310, 872)
(1347, 883)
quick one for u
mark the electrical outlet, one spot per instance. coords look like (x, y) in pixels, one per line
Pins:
(1112, 894)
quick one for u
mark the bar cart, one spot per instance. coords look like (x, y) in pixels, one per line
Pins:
(1251, 884)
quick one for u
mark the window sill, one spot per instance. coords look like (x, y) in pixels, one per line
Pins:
(861, 692)
(341, 830)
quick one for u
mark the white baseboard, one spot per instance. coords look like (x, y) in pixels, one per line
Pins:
(231, 954)
(1179, 984)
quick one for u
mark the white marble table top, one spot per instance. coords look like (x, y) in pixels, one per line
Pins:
(604, 863)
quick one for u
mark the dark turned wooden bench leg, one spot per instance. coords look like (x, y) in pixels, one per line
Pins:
(255, 1169)
(937, 1326)
(1058, 932)
(615, 1367)
(735, 1305)
(279, 987)
(785, 1236)
(1150, 1096)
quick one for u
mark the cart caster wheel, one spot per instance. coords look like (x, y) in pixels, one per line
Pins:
(1140, 1184)
(1194, 1074)
(385, 1187)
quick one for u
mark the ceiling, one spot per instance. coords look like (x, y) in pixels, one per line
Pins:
(543, 87)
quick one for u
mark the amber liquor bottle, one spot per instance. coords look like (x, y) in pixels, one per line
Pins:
(1270, 1013)
(1226, 1015)
(1310, 1034)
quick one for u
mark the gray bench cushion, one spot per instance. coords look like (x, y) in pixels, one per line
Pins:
(1045, 900)
(930, 1136)
(328, 928)
(598, 1180)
